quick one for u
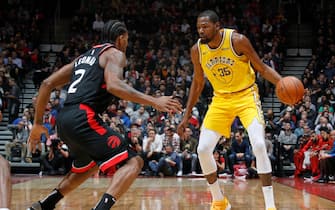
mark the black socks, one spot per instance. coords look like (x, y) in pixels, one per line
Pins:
(106, 202)
(49, 203)
(51, 200)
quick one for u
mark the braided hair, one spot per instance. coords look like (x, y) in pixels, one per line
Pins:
(112, 29)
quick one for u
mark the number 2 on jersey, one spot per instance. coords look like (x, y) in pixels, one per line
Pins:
(72, 88)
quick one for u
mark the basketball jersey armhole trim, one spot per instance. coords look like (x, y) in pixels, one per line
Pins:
(231, 45)
(105, 48)
(199, 50)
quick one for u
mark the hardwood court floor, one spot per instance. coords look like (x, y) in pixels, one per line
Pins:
(167, 194)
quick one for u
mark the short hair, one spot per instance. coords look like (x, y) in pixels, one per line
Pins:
(213, 17)
(113, 29)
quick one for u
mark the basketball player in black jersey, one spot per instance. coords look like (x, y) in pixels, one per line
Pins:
(94, 78)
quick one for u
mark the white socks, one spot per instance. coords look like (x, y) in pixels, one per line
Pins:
(268, 197)
(216, 191)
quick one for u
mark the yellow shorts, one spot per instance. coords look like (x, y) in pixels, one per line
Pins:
(225, 107)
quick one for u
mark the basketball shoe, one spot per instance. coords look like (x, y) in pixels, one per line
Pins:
(221, 205)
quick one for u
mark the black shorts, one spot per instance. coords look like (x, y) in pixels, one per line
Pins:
(91, 141)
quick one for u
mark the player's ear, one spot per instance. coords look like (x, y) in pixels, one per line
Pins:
(217, 25)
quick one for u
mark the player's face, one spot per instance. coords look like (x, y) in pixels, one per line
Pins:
(124, 42)
(206, 29)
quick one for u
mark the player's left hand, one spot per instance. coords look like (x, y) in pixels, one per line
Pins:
(35, 135)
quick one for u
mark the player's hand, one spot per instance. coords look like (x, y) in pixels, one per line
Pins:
(35, 135)
(181, 128)
(167, 104)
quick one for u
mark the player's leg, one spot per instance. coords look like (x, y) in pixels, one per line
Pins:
(82, 168)
(120, 183)
(5, 184)
(207, 142)
(217, 122)
(263, 164)
(70, 182)
(251, 116)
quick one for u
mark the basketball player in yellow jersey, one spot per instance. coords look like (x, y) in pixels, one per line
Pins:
(228, 60)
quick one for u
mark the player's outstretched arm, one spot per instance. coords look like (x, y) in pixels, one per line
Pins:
(113, 61)
(57, 79)
(197, 86)
(243, 46)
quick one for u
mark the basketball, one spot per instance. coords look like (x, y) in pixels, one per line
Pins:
(289, 90)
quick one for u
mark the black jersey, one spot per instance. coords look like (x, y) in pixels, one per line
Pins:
(88, 84)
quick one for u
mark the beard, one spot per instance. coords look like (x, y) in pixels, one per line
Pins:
(204, 40)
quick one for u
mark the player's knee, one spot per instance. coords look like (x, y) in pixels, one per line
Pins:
(203, 151)
(138, 164)
(259, 148)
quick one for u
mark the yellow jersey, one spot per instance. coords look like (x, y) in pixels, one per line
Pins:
(227, 71)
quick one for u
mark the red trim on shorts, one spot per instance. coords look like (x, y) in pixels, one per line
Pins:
(83, 169)
(113, 161)
(92, 121)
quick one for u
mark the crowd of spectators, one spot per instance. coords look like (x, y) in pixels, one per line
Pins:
(308, 136)
(19, 42)
(160, 36)
(20, 35)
